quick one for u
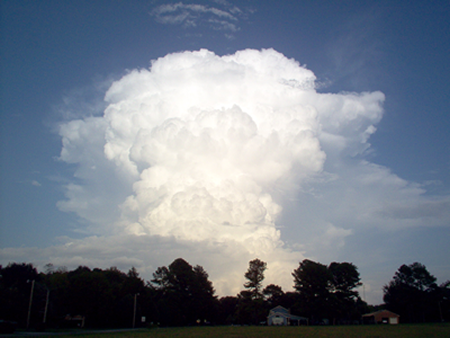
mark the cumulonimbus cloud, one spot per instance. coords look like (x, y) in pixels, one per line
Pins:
(223, 159)
(204, 149)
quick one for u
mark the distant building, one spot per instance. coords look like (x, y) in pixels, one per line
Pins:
(381, 317)
(282, 316)
(74, 321)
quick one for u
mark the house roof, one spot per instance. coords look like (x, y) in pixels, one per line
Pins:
(280, 309)
(387, 312)
(283, 312)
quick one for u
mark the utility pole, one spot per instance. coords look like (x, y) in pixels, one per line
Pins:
(31, 302)
(440, 311)
(46, 306)
(134, 312)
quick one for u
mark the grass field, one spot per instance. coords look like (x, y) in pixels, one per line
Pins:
(357, 331)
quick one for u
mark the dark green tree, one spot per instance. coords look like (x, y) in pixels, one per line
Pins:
(16, 281)
(227, 310)
(344, 301)
(185, 295)
(345, 278)
(161, 279)
(251, 307)
(412, 293)
(443, 299)
(246, 310)
(290, 301)
(313, 282)
(255, 276)
(274, 295)
(328, 292)
(205, 304)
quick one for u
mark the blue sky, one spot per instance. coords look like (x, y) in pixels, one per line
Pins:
(59, 58)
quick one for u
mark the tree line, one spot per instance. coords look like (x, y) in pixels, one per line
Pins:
(181, 294)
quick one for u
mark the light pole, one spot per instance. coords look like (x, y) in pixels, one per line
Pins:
(30, 303)
(134, 312)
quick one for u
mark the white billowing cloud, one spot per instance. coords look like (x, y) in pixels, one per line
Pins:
(203, 151)
(98, 187)
(207, 145)
(221, 160)
(194, 15)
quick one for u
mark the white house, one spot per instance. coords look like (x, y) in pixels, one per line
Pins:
(281, 316)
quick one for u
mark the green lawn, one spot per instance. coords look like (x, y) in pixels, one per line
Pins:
(357, 331)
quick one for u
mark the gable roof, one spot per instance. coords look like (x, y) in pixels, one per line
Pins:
(280, 311)
(386, 312)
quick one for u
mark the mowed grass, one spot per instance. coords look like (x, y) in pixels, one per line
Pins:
(356, 331)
